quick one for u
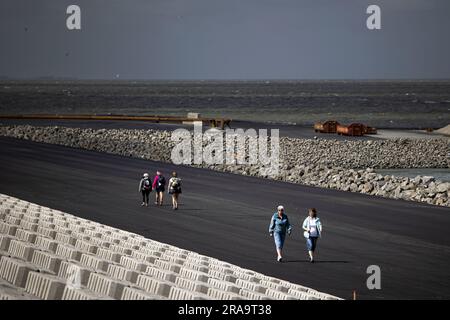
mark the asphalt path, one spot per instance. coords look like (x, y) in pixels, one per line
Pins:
(226, 216)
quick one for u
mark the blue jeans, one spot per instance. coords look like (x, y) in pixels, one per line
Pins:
(311, 243)
(279, 239)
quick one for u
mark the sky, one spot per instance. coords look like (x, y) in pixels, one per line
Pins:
(225, 39)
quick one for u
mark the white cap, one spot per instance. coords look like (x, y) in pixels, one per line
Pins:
(145, 174)
(280, 208)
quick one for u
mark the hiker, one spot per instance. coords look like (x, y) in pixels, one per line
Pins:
(174, 189)
(145, 187)
(279, 225)
(313, 230)
(159, 184)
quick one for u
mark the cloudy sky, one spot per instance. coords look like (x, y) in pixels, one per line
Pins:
(225, 39)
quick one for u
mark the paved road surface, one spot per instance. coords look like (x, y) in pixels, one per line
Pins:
(226, 216)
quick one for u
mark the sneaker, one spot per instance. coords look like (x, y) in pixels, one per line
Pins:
(280, 259)
(311, 260)
(156, 202)
(143, 204)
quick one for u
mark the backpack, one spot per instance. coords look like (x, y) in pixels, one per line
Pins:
(147, 185)
(161, 181)
(176, 183)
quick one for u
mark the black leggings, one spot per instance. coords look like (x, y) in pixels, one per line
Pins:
(145, 196)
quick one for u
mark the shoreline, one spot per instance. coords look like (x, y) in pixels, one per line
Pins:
(286, 130)
(334, 164)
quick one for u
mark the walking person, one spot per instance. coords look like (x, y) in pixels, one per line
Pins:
(313, 230)
(175, 189)
(159, 184)
(145, 187)
(279, 225)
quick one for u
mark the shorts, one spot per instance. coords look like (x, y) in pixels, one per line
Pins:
(175, 191)
(160, 189)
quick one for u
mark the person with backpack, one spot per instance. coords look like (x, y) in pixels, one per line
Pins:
(312, 227)
(175, 189)
(279, 225)
(145, 187)
(159, 184)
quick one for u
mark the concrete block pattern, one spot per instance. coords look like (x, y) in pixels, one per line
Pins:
(130, 293)
(161, 274)
(45, 243)
(194, 286)
(121, 273)
(74, 273)
(217, 294)
(46, 260)
(4, 241)
(8, 229)
(28, 225)
(251, 286)
(133, 263)
(252, 295)
(72, 293)
(44, 286)
(223, 285)
(22, 250)
(94, 262)
(15, 271)
(182, 294)
(66, 239)
(109, 255)
(68, 252)
(85, 246)
(26, 236)
(194, 275)
(154, 286)
(105, 285)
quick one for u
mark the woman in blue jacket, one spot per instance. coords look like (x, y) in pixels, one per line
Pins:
(279, 225)
(313, 230)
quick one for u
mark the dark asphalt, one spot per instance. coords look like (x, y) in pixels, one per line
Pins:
(226, 216)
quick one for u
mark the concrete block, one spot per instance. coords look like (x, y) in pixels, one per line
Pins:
(223, 285)
(120, 249)
(94, 262)
(105, 285)
(121, 273)
(8, 229)
(28, 225)
(130, 293)
(47, 223)
(44, 286)
(222, 276)
(4, 241)
(109, 255)
(278, 295)
(66, 239)
(144, 257)
(182, 294)
(194, 275)
(133, 264)
(22, 250)
(251, 295)
(15, 271)
(46, 260)
(13, 220)
(74, 273)
(86, 246)
(154, 286)
(69, 252)
(73, 293)
(12, 293)
(167, 265)
(45, 243)
(161, 274)
(26, 235)
(31, 218)
(196, 267)
(217, 294)
(46, 232)
(194, 286)
(251, 286)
